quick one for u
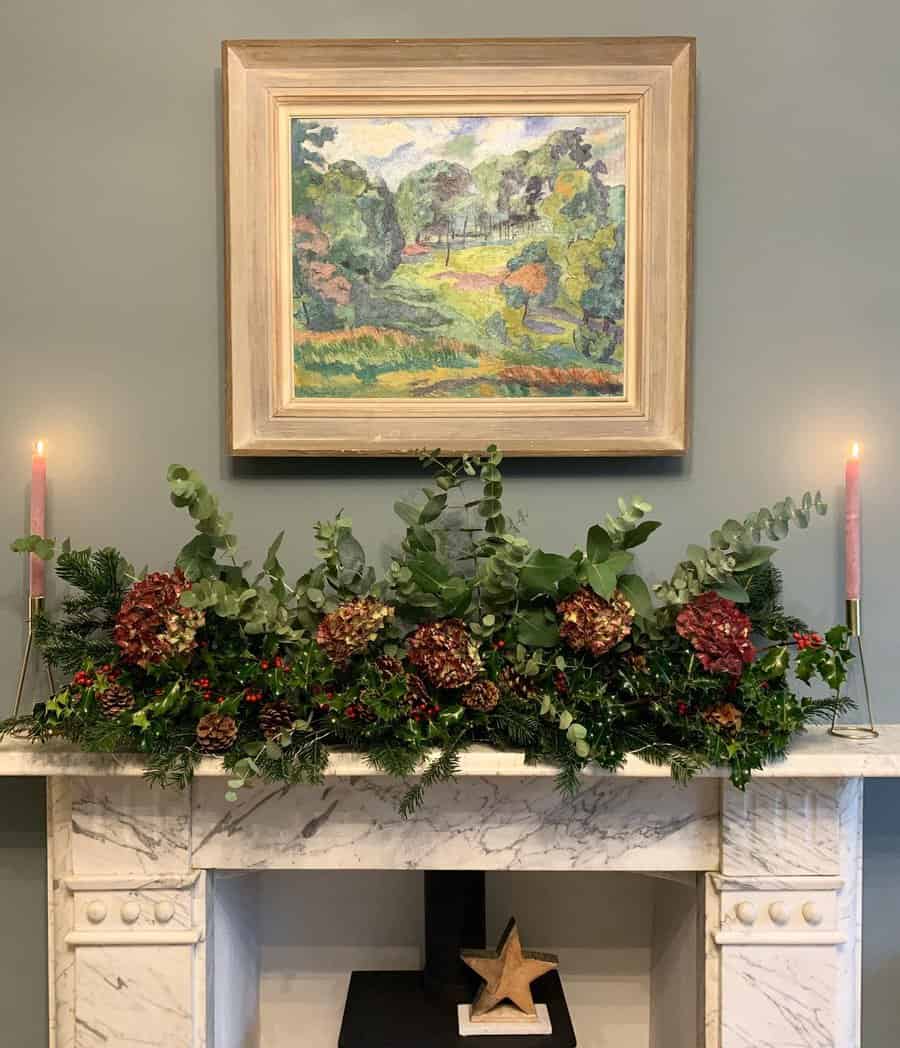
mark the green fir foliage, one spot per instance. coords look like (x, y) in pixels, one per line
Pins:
(291, 672)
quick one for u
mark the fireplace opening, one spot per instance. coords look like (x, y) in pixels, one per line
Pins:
(282, 946)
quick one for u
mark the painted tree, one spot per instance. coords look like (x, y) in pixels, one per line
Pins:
(307, 162)
(319, 286)
(604, 301)
(358, 216)
(539, 283)
(435, 201)
(576, 208)
(594, 283)
(523, 284)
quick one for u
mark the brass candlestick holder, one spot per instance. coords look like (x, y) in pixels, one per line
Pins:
(857, 732)
(34, 612)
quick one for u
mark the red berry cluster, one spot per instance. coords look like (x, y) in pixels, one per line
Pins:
(682, 708)
(421, 709)
(277, 663)
(83, 679)
(203, 686)
(359, 711)
(561, 683)
(809, 640)
(252, 696)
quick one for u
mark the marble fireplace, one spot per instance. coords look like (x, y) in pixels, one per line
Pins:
(685, 917)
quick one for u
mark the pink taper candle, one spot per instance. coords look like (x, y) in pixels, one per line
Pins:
(38, 513)
(852, 525)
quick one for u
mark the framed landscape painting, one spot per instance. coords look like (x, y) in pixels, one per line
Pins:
(460, 242)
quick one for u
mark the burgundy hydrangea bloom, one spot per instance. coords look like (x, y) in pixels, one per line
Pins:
(152, 625)
(719, 632)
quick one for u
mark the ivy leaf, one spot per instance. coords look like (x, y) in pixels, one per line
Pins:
(197, 558)
(41, 547)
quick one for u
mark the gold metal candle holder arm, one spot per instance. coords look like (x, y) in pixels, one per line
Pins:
(35, 610)
(857, 731)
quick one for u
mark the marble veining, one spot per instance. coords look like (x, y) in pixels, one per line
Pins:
(123, 826)
(815, 754)
(478, 823)
(850, 912)
(779, 998)
(787, 827)
(134, 984)
(133, 997)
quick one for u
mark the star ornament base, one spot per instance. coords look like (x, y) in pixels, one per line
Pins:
(504, 1021)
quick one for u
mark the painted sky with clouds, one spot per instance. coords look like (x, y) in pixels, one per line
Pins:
(395, 146)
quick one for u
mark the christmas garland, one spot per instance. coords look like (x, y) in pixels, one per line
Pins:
(470, 636)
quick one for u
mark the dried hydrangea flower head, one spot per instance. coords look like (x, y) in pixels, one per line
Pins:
(718, 631)
(351, 628)
(590, 623)
(151, 625)
(445, 653)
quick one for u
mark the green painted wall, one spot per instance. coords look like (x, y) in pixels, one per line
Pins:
(111, 327)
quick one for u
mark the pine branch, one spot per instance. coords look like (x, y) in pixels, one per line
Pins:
(442, 769)
(84, 628)
(394, 759)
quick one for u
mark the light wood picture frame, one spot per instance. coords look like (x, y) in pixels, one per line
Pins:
(339, 345)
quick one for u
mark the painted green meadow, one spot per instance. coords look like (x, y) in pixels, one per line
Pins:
(462, 257)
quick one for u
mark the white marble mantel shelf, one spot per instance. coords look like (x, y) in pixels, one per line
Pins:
(812, 756)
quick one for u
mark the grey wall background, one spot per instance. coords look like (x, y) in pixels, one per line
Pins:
(112, 333)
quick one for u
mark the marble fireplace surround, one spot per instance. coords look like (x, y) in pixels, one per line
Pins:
(768, 882)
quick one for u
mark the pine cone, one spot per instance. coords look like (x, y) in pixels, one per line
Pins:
(352, 627)
(482, 695)
(592, 623)
(151, 625)
(445, 653)
(114, 700)
(516, 683)
(216, 733)
(726, 715)
(274, 718)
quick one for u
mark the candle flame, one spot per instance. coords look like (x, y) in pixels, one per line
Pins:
(854, 450)
(40, 448)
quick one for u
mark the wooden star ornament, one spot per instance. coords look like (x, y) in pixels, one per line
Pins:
(508, 973)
